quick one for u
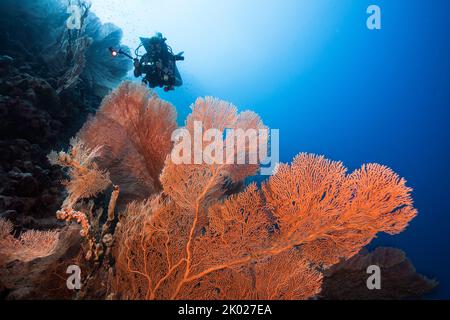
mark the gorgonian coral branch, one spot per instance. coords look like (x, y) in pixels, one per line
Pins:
(86, 179)
(193, 241)
(28, 246)
(134, 128)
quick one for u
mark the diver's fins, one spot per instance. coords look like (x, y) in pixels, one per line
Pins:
(179, 57)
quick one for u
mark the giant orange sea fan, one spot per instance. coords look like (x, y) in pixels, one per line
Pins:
(192, 241)
(262, 243)
(186, 233)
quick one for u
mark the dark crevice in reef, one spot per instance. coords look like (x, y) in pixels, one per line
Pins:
(51, 79)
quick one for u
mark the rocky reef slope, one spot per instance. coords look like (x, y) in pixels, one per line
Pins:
(51, 79)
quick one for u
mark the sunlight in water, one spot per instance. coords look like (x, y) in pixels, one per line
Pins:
(230, 42)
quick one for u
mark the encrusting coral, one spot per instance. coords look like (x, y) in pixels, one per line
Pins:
(184, 231)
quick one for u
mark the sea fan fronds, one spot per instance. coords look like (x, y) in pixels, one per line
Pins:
(6, 228)
(35, 267)
(86, 179)
(70, 56)
(102, 72)
(194, 239)
(134, 127)
(331, 214)
(197, 182)
(267, 243)
(28, 246)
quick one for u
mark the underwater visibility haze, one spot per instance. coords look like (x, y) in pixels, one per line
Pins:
(311, 69)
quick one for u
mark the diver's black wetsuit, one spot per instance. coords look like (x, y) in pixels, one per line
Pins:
(158, 64)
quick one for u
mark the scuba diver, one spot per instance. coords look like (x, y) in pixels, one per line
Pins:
(157, 65)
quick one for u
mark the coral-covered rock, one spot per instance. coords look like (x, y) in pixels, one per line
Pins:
(6, 61)
(399, 280)
(42, 101)
(40, 277)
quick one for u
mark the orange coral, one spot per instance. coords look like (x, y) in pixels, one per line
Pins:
(86, 179)
(69, 215)
(134, 128)
(35, 267)
(195, 237)
(196, 186)
(333, 214)
(194, 242)
(28, 246)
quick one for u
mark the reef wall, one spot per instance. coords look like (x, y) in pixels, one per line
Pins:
(51, 79)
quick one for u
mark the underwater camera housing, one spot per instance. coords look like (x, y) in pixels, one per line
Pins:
(157, 64)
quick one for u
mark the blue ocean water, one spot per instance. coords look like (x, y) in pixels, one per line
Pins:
(313, 70)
